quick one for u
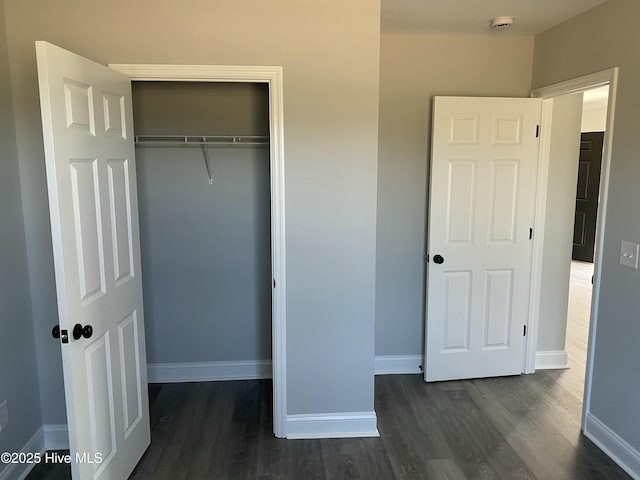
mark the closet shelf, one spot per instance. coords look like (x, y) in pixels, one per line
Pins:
(200, 141)
(204, 142)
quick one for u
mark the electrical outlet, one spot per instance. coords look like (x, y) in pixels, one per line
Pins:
(4, 415)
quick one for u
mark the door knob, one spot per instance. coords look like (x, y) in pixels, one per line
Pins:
(79, 331)
(438, 259)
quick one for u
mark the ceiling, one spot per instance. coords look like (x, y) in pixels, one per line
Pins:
(473, 16)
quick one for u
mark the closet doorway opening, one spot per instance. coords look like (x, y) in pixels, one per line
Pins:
(202, 168)
(211, 202)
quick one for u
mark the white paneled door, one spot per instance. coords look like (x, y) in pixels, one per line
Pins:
(483, 172)
(88, 136)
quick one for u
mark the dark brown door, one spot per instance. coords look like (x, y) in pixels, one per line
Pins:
(584, 230)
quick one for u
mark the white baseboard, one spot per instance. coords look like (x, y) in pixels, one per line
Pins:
(613, 445)
(208, 371)
(553, 359)
(19, 471)
(56, 437)
(332, 425)
(256, 369)
(397, 364)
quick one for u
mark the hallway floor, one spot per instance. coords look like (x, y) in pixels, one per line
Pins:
(578, 326)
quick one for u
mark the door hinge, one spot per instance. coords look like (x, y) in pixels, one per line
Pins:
(530, 233)
(274, 283)
(524, 331)
(537, 131)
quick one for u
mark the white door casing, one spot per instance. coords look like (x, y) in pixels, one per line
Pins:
(89, 153)
(483, 178)
(273, 77)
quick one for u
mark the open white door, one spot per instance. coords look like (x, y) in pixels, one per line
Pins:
(87, 122)
(482, 196)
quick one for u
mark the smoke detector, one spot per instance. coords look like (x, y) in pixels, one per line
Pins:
(501, 23)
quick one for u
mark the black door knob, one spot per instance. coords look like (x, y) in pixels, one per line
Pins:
(87, 331)
(55, 332)
(79, 331)
(438, 259)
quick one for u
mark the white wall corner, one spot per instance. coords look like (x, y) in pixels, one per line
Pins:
(56, 437)
(208, 371)
(19, 471)
(333, 425)
(627, 457)
(552, 360)
(397, 364)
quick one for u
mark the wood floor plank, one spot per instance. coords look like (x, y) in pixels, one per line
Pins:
(443, 470)
(479, 448)
(410, 425)
(362, 458)
(536, 434)
(417, 419)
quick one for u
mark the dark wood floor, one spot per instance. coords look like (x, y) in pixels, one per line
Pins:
(508, 428)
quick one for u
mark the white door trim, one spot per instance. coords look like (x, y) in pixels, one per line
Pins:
(576, 85)
(271, 75)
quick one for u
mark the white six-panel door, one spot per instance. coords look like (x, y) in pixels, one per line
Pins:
(483, 171)
(88, 135)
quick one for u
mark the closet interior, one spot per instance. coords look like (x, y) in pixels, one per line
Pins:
(202, 154)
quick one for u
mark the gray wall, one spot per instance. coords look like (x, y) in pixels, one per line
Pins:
(206, 252)
(330, 55)
(559, 222)
(604, 37)
(413, 68)
(18, 373)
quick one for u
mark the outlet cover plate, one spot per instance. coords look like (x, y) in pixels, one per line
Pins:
(629, 254)
(4, 415)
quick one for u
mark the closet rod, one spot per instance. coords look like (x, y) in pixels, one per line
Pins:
(200, 141)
